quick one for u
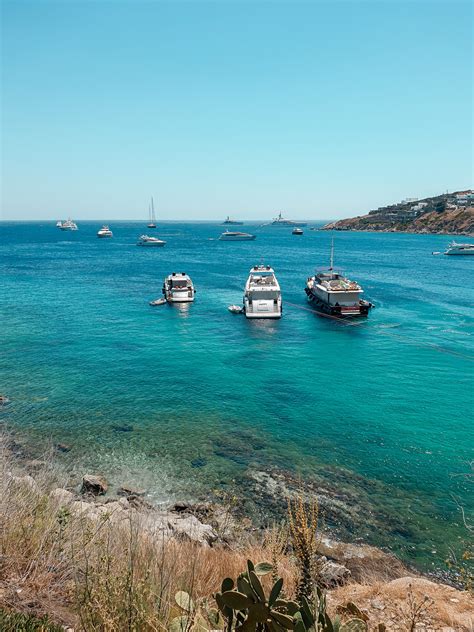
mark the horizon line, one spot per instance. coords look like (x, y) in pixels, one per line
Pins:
(144, 221)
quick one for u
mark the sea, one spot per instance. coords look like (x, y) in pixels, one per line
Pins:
(192, 402)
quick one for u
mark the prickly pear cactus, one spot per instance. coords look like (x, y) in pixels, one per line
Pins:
(354, 625)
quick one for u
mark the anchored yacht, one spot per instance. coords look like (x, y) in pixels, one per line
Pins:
(67, 224)
(281, 221)
(145, 240)
(235, 222)
(460, 249)
(104, 232)
(262, 296)
(178, 288)
(230, 235)
(331, 292)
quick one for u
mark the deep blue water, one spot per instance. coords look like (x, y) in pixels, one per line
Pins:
(378, 413)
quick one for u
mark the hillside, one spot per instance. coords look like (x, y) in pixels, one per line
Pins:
(451, 213)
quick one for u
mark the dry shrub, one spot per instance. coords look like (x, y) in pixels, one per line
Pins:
(99, 574)
(35, 571)
(303, 521)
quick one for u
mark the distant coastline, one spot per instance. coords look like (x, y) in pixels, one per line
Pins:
(447, 214)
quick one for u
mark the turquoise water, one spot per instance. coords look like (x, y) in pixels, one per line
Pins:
(376, 414)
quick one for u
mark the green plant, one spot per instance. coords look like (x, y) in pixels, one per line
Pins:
(313, 616)
(17, 622)
(246, 608)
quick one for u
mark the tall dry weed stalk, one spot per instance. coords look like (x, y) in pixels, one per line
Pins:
(276, 542)
(303, 522)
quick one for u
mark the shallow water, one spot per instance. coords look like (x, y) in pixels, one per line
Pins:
(184, 400)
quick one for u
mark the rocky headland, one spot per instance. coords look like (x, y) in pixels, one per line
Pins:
(441, 214)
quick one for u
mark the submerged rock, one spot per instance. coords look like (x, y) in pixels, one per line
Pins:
(95, 485)
(63, 447)
(127, 490)
(199, 462)
(122, 427)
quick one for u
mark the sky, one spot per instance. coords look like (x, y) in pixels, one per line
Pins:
(322, 110)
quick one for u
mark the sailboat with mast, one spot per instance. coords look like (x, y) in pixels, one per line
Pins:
(152, 218)
(334, 294)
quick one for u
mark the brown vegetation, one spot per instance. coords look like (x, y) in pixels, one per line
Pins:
(100, 575)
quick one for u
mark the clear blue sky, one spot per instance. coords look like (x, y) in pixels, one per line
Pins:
(320, 109)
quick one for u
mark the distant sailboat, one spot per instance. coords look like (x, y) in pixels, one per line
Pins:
(152, 218)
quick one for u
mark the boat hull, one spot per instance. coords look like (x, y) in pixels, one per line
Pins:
(249, 238)
(290, 224)
(262, 308)
(179, 297)
(361, 308)
(460, 254)
(267, 315)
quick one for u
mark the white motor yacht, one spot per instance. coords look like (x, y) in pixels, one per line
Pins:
(262, 296)
(145, 240)
(297, 231)
(230, 235)
(281, 221)
(331, 292)
(459, 249)
(178, 288)
(104, 232)
(235, 222)
(67, 224)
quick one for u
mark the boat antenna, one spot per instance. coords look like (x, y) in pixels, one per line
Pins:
(331, 263)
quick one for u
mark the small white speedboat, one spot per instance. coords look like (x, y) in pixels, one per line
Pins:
(104, 232)
(145, 240)
(158, 301)
(235, 309)
(297, 231)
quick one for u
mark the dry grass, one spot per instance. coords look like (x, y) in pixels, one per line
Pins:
(390, 602)
(99, 575)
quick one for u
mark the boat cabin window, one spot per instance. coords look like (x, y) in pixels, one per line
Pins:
(179, 282)
(265, 295)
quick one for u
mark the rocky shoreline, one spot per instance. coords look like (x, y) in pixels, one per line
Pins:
(374, 579)
(211, 522)
(448, 222)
